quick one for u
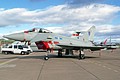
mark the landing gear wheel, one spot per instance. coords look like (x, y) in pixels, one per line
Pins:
(81, 56)
(59, 54)
(46, 58)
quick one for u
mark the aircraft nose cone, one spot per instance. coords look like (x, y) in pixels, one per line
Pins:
(16, 36)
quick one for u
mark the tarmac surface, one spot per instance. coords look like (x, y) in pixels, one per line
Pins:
(32, 67)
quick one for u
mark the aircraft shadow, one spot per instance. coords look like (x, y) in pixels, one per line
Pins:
(55, 56)
(50, 56)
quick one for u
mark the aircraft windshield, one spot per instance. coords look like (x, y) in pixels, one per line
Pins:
(40, 30)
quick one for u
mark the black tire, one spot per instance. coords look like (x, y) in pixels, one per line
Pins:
(6, 53)
(22, 53)
(81, 56)
(46, 58)
(59, 54)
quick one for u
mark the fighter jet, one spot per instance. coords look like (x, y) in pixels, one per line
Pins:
(108, 44)
(49, 41)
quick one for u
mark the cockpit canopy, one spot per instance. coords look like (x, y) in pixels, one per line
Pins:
(39, 30)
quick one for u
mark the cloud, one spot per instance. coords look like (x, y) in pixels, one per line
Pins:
(95, 13)
(106, 31)
(70, 19)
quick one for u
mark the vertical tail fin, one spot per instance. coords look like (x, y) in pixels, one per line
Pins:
(105, 42)
(86, 36)
(89, 35)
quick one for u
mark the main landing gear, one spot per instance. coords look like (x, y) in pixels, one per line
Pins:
(60, 53)
(81, 55)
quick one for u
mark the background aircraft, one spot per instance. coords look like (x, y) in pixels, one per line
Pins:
(107, 43)
(47, 40)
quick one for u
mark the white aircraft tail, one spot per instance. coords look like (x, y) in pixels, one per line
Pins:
(91, 33)
(86, 36)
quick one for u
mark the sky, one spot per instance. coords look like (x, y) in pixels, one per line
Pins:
(62, 16)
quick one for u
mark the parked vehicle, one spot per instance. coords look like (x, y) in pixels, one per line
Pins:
(16, 49)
